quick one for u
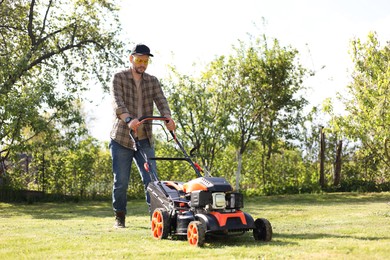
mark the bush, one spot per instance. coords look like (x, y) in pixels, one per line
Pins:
(355, 185)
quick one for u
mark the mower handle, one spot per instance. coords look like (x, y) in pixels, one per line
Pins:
(143, 119)
(149, 118)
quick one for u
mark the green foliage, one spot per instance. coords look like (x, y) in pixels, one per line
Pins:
(367, 120)
(369, 107)
(49, 52)
(241, 119)
(359, 185)
(253, 94)
(201, 114)
(46, 57)
(286, 173)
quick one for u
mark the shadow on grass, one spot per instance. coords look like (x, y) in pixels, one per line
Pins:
(321, 199)
(247, 239)
(312, 236)
(69, 210)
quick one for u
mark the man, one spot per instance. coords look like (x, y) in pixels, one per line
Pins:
(134, 94)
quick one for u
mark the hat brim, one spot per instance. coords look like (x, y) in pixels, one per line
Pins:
(138, 53)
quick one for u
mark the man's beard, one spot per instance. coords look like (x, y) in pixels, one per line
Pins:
(140, 70)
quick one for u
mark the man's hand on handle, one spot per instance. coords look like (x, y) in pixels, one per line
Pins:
(169, 123)
(171, 126)
(133, 124)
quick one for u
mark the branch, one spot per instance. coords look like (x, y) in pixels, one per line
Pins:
(61, 50)
(386, 150)
(45, 18)
(11, 27)
(53, 34)
(13, 78)
(27, 139)
(381, 156)
(13, 136)
(30, 23)
(74, 33)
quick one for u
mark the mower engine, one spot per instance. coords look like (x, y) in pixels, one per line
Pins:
(212, 194)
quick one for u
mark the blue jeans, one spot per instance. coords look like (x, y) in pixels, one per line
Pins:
(122, 159)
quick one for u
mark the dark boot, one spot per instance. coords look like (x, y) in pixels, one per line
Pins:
(120, 218)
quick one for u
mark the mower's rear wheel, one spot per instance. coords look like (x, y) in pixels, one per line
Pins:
(196, 233)
(160, 223)
(262, 230)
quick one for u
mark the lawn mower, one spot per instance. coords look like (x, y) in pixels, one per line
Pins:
(202, 207)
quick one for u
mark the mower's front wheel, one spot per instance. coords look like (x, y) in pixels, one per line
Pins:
(160, 223)
(262, 230)
(196, 233)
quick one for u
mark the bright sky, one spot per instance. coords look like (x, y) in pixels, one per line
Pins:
(184, 32)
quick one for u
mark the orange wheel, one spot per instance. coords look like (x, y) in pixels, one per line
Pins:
(196, 233)
(160, 224)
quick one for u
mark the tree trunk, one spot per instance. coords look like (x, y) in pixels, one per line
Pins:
(43, 173)
(263, 167)
(3, 170)
(322, 159)
(337, 168)
(270, 140)
(239, 167)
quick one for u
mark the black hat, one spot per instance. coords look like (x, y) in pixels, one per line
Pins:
(141, 49)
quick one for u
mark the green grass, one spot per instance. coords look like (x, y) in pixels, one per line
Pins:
(322, 226)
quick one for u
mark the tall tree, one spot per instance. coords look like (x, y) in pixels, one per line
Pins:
(367, 121)
(263, 87)
(200, 111)
(48, 50)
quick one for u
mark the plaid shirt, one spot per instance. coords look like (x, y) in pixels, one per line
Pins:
(125, 100)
